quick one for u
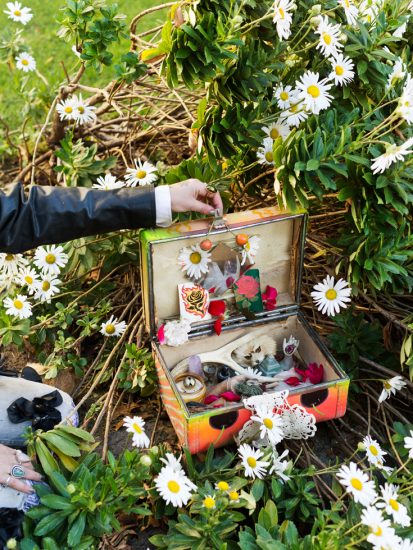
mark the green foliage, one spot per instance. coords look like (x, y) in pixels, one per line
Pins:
(137, 374)
(130, 68)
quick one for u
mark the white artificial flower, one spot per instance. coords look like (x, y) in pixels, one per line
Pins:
(350, 10)
(399, 32)
(398, 73)
(66, 109)
(250, 250)
(329, 297)
(142, 174)
(174, 487)
(108, 182)
(194, 261)
(29, 278)
(314, 92)
(250, 460)
(390, 387)
(135, 426)
(408, 444)
(113, 327)
(176, 332)
(342, 72)
(393, 154)
(279, 466)
(265, 154)
(405, 104)
(277, 129)
(283, 95)
(82, 112)
(18, 306)
(25, 62)
(393, 507)
(357, 484)
(252, 373)
(50, 259)
(173, 462)
(328, 43)
(46, 288)
(374, 452)
(295, 114)
(11, 264)
(17, 13)
(381, 531)
(283, 18)
(270, 424)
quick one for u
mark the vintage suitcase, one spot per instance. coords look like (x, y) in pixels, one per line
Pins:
(280, 262)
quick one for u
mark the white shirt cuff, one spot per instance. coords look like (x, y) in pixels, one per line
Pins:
(163, 206)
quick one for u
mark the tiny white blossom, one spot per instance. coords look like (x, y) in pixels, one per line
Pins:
(18, 13)
(25, 62)
(329, 43)
(390, 387)
(108, 182)
(342, 72)
(393, 154)
(135, 426)
(112, 327)
(314, 92)
(18, 306)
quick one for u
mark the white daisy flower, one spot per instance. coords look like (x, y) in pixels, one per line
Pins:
(174, 487)
(173, 462)
(18, 306)
(270, 424)
(113, 327)
(357, 484)
(329, 43)
(369, 10)
(399, 32)
(108, 182)
(373, 450)
(393, 507)
(29, 278)
(17, 13)
(176, 332)
(47, 288)
(265, 154)
(350, 10)
(342, 72)
(329, 297)
(11, 264)
(50, 259)
(277, 129)
(386, 469)
(381, 531)
(250, 460)
(398, 73)
(401, 544)
(314, 92)
(279, 466)
(391, 386)
(209, 502)
(408, 444)
(284, 95)
(142, 174)
(135, 426)
(393, 154)
(283, 18)
(405, 105)
(82, 112)
(295, 114)
(250, 250)
(25, 62)
(66, 109)
(194, 261)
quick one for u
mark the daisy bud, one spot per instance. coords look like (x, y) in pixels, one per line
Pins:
(71, 488)
(11, 544)
(315, 21)
(361, 447)
(316, 9)
(155, 450)
(146, 460)
(237, 21)
(343, 38)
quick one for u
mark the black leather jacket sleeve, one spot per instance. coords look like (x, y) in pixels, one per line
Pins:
(51, 215)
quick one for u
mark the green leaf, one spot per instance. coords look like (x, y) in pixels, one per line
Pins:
(312, 164)
(76, 530)
(57, 502)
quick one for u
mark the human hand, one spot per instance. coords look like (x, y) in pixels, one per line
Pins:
(9, 458)
(193, 195)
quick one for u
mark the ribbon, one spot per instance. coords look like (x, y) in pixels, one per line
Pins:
(41, 411)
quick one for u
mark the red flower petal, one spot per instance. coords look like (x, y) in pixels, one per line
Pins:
(270, 294)
(218, 326)
(161, 334)
(230, 396)
(217, 307)
(210, 399)
(292, 381)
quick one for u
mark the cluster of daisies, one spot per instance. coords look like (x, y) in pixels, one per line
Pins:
(379, 502)
(20, 14)
(144, 173)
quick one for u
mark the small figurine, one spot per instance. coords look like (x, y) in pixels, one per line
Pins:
(254, 352)
(289, 348)
(270, 366)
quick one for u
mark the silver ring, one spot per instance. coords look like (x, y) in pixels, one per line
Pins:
(18, 471)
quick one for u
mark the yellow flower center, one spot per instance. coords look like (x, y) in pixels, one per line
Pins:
(274, 133)
(313, 91)
(223, 486)
(9, 257)
(25, 62)
(294, 108)
(269, 157)
(209, 502)
(110, 329)
(173, 486)
(339, 70)
(233, 495)
(195, 258)
(394, 504)
(50, 259)
(284, 96)
(137, 428)
(378, 531)
(356, 484)
(268, 423)
(251, 462)
(140, 174)
(327, 38)
(331, 294)
(373, 450)
(387, 385)
(347, 3)
(28, 279)
(281, 12)
(45, 285)
(407, 103)
(17, 13)
(18, 304)
(81, 109)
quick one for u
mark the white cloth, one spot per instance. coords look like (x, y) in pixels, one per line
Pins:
(163, 206)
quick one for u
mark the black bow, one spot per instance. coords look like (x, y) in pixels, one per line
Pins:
(10, 525)
(41, 411)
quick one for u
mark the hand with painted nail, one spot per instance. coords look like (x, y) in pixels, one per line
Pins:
(15, 467)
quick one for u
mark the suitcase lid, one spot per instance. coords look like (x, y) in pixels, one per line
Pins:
(279, 260)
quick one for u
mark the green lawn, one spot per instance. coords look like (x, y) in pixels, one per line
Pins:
(50, 52)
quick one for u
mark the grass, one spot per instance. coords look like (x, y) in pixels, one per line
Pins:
(50, 52)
